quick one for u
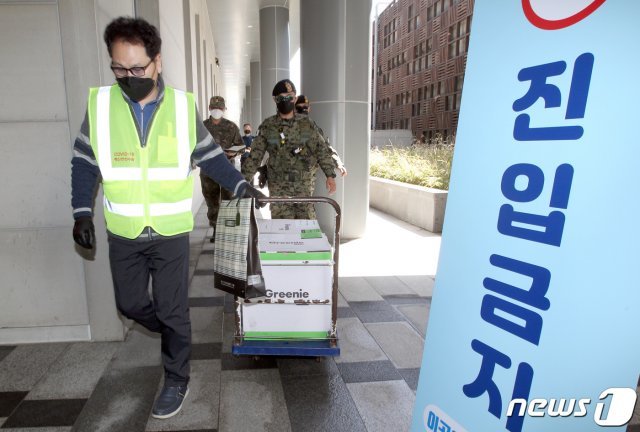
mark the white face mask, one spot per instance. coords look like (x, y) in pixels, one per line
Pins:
(216, 113)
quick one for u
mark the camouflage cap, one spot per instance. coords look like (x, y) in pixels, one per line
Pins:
(283, 86)
(302, 99)
(216, 102)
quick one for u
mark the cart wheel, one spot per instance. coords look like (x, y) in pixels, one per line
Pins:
(319, 359)
(256, 358)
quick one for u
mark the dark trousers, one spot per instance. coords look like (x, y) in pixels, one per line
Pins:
(212, 193)
(166, 261)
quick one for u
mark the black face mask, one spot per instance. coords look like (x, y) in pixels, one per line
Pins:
(247, 132)
(285, 107)
(136, 88)
(302, 110)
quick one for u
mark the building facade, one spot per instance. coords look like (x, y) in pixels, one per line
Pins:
(421, 54)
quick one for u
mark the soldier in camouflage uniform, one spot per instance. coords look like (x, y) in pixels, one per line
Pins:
(226, 134)
(303, 106)
(296, 149)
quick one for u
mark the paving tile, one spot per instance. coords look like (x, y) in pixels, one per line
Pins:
(2, 419)
(345, 312)
(206, 351)
(231, 362)
(202, 286)
(411, 377)
(39, 429)
(293, 367)
(208, 252)
(206, 301)
(368, 371)
(406, 299)
(342, 302)
(141, 348)
(129, 411)
(400, 342)
(228, 331)
(206, 324)
(252, 401)
(421, 285)
(201, 272)
(388, 285)
(23, 367)
(418, 315)
(376, 311)
(75, 374)
(321, 403)
(205, 263)
(384, 406)
(357, 289)
(5, 350)
(200, 409)
(9, 401)
(44, 413)
(356, 343)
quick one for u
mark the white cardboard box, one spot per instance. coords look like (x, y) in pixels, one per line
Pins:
(285, 318)
(291, 249)
(286, 226)
(302, 283)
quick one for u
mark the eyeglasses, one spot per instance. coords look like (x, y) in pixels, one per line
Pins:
(136, 71)
(284, 98)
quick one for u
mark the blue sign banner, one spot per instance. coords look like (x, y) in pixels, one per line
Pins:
(535, 310)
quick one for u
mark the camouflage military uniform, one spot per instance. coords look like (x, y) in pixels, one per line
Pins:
(337, 162)
(226, 134)
(296, 149)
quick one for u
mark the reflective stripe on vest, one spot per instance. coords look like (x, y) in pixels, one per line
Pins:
(144, 186)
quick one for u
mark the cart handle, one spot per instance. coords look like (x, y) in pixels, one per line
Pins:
(336, 244)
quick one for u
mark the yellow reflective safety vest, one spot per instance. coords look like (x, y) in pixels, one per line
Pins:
(150, 185)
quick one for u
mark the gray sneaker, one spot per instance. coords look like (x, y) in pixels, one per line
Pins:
(169, 402)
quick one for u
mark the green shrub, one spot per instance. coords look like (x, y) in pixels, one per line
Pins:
(426, 165)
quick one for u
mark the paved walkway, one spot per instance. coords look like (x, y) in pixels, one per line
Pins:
(386, 280)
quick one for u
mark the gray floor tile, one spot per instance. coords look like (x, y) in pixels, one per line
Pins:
(356, 344)
(345, 312)
(23, 367)
(205, 262)
(206, 324)
(376, 311)
(75, 374)
(388, 285)
(400, 342)
(140, 348)
(45, 413)
(121, 401)
(418, 315)
(293, 367)
(200, 409)
(202, 286)
(2, 419)
(406, 299)
(411, 377)
(368, 371)
(203, 272)
(206, 301)
(8, 402)
(342, 302)
(5, 350)
(357, 289)
(206, 351)
(319, 404)
(39, 429)
(228, 331)
(384, 406)
(421, 285)
(252, 401)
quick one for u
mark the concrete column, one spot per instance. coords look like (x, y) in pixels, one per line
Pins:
(274, 53)
(335, 71)
(256, 108)
(246, 118)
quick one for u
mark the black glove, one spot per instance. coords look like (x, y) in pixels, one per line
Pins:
(262, 176)
(84, 232)
(251, 192)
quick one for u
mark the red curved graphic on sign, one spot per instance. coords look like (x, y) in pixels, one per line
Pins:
(546, 24)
